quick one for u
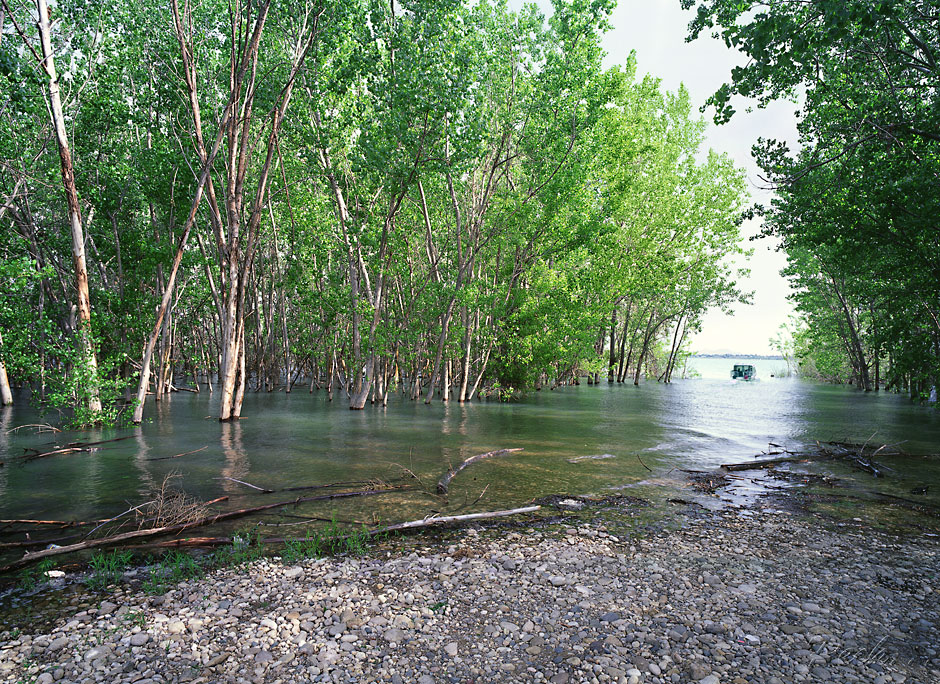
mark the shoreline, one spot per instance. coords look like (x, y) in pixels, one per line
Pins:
(714, 596)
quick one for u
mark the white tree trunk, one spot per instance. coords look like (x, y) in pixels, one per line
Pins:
(6, 396)
(75, 219)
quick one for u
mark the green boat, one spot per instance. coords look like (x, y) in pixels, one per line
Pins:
(743, 372)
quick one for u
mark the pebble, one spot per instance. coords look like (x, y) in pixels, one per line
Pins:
(725, 598)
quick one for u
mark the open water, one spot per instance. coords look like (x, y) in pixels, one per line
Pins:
(575, 440)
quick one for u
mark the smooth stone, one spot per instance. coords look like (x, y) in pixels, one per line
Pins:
(139, 639)
(394, 635)
(97, 652)
(58, 643)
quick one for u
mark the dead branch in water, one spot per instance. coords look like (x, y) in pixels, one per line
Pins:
(444, 483)
(185, 453)
(247, 484)
(767, 463)
(859, 455)
(60, 523)
(855, 454)
(70, 448)
(371, 484)
(352, 483)
(172, 529)
(40, 428)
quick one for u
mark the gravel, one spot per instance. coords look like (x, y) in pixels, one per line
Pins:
(727, 598)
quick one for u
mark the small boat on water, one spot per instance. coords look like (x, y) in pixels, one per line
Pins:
(743, 371)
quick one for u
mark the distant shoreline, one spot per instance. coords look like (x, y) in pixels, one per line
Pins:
(738, 356)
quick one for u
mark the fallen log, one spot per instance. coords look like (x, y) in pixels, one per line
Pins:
(55, 452)
(70, 448)
(172, 529)
(40, 428)
(424, 522)
(768, 463)
(61, 523)
(103, 441)
(447, 519)
(37, 542)
(411, 525)
(444, 483)
(855, 454)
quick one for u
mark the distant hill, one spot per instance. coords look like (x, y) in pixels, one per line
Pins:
(739, 356)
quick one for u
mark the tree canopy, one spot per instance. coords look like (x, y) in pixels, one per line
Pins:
(448, 199)
(856, 205)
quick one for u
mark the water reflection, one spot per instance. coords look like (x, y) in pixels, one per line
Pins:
(236, 459)
(303, 439)
(6, 424)
(141, 463)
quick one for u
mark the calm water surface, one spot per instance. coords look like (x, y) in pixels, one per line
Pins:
(582, 439)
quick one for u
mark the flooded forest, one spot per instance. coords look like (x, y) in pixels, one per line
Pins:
(448, 200)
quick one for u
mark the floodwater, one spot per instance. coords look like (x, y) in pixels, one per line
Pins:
(575, 440)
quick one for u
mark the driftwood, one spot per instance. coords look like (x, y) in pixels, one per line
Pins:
(40, 428)
(247, 484)
(351, 483)
(444, 482)
(767, 463)
(60, 523)
(301, 488)
(855, 453)
(38, 542)
(185, 453)
(447, 519)
(103, 441)
(425, 522)
(70, 448)
(414, 524)
(171, 529)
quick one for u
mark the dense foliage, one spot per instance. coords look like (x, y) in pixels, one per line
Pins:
(857, 206)
(426, 196)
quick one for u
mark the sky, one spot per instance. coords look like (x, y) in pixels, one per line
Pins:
(656, 30)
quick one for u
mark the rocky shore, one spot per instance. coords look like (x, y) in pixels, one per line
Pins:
(723, 597)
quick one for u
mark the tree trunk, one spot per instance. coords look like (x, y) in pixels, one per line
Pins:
(93, 399)
(646, 343)
(622, 368)
(171, 281)
(465, 372)
(612, 358)
(6, 396)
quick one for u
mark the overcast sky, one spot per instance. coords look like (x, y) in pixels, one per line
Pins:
(656, 29)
